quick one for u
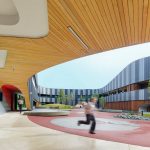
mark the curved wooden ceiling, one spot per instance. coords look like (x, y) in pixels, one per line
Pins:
(102, 24)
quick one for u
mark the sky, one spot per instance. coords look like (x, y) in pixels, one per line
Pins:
(94, 71)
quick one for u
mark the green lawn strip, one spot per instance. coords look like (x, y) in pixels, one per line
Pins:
(146, 115)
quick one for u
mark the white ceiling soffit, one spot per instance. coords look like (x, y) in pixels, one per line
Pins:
(3, 55)
(24, 18)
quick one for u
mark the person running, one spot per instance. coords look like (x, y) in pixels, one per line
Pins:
(89, 108)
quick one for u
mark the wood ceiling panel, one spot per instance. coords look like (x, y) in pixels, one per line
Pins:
(131, 20)
(147, 32)
(110, 22)
(90, 23)
(79, 23)
(144, 22)
(122, 9)
(136, 20)
(101, 29)
(89, 11)
(126, 23)
(102, 24)
(114, 20)
(104, 18)
(118, 20)
(140, 19)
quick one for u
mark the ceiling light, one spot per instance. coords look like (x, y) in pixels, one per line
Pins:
(3, 54)
(77, 37)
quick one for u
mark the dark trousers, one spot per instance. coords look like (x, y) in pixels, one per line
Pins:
(89, 118)
(20, 108)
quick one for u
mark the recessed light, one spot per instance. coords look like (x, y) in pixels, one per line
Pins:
(70, 29)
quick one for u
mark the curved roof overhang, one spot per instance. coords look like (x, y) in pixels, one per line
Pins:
(101, 24)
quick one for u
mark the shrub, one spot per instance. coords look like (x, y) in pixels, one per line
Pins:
(146, 115)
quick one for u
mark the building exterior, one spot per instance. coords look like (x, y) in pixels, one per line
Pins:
(49, 95)
(127, 91)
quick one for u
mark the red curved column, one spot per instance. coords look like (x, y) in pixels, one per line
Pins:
(8, 91)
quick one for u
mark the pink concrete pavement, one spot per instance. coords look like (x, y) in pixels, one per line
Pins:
(140, 136)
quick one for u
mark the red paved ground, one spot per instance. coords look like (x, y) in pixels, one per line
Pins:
(140, 136)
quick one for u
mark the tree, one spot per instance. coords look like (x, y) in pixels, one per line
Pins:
(101, 102)
(61, 96)
(72, 97)
(67, 99)
(81, 98)
(96, 95)
(57, 99)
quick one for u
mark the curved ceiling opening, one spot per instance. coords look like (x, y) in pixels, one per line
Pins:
(91, 72)
(8, 13)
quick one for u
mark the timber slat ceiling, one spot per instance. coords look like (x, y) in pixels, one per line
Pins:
(102, 24)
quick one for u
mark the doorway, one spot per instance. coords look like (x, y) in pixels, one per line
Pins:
(11, 96)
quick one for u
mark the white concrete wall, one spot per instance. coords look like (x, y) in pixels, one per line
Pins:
(2, 109)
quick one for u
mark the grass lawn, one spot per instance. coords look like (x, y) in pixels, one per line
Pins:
(146, 115)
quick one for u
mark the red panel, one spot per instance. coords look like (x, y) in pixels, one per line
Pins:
(8, 91)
